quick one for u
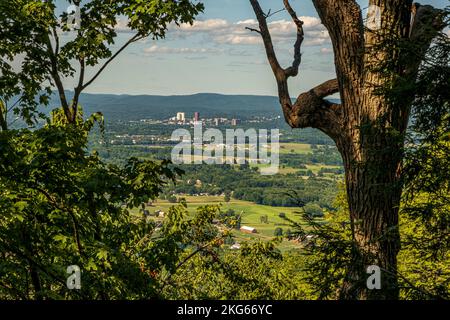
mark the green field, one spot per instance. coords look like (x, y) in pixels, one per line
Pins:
(316, 167)
(251, 214)
(300, 148)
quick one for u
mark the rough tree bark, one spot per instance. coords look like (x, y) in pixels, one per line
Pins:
(368, 127)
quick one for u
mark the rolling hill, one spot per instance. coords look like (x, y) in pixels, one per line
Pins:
(135, 107)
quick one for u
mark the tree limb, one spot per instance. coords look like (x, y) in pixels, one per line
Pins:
(270, 13)
(267, 39)
(55, 35)
(71, 214)
(253, 30)
(79, 88)
(293, 70)
(56, 77)
(135, 38)
(310, 108)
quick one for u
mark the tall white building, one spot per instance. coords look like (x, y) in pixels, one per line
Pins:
(180, 116)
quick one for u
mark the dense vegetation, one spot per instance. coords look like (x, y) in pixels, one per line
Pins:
(248, 184)
(69, 197)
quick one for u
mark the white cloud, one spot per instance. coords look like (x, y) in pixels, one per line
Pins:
(209, 25)
(220, 31)
(326, 50)
(168, 50)
(122, 26)
(237, 39)
(223, 32)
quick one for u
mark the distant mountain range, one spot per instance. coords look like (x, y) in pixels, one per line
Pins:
(135, 107)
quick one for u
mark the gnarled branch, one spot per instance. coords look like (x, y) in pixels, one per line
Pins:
(293, 70)
(310, 108)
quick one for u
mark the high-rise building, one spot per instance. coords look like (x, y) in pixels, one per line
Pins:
(216, 121)
(196, 116)
(180, 116)
(234, 122)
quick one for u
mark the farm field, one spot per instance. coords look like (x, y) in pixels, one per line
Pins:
(299, 148)
(251, 214)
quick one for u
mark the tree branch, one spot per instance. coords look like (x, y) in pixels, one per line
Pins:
(135, 38)
(14, 104)
(79, 88)
(56, 78)
(310, 108)
(270, 13)
(293, 70)
(253, 30)
(71, 214)
(267, 39)
(55, 35)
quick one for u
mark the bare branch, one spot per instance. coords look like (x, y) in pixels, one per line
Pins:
(253, 30)
(293, 70)
(267, 39)
(79, 88)
(14, 104)
(310, 108)
(55, 35)
(54, 72)
(135, 38)
(326, 89)
(269, 13)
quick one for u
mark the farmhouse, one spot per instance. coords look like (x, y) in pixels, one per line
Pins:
(235, 246)
(247, 229)
(160, 213)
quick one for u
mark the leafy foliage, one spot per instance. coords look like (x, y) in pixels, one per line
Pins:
(425, 258)
(62, 207)
(34, 57)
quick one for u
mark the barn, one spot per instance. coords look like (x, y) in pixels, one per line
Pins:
(247, 229)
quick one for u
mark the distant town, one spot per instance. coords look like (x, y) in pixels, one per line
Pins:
(181, 119)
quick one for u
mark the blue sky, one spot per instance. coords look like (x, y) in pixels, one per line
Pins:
(218, 55)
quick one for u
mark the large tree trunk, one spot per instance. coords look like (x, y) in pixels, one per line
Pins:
(369, 125)
(373, 190)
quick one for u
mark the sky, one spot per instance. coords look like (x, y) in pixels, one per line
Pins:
(218, 55)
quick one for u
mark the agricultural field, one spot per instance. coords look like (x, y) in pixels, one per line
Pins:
(299, 148)
(251, 214)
